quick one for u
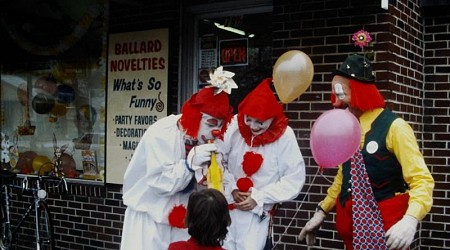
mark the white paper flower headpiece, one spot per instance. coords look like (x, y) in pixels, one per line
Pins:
(222, 80)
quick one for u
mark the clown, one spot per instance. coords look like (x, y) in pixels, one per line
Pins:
(265, 167)
(399, 184)
(161, 173)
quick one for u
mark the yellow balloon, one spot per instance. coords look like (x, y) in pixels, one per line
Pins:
(292, 74)
(43, 164)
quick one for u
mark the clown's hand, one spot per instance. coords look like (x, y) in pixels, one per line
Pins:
(401, 234)
(309, 231)
(200, 155)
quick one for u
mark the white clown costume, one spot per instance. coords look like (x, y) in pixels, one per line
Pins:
(269, 166)
(160, 176)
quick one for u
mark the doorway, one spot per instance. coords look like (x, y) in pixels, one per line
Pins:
(236, 36)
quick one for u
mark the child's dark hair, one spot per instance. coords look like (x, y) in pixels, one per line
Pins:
(208, 217)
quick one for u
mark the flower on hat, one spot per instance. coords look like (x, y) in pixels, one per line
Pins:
(361, 38)
(222, 81)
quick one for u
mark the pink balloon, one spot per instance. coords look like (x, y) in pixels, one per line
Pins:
(335, 136)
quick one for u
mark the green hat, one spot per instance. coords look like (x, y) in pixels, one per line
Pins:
(357, 67)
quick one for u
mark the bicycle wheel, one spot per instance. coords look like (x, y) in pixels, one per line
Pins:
(5, 234)
(45, 228)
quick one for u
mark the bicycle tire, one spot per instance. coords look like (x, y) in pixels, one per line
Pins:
(45, 228)
(5, 235)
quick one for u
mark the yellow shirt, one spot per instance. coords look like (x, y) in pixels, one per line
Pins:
(402, 142)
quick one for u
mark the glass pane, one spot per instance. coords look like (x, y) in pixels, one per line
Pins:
(53, 88)
(241, 44)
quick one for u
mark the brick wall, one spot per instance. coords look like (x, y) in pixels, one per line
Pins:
(405, 39)
(88, 217)
(435, 232)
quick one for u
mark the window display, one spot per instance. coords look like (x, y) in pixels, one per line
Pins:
(53, 77)
(45, 109)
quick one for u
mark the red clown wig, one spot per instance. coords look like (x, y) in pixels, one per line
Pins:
(205, 101)
(365, 96)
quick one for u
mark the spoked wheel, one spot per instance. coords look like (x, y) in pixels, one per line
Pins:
(5, 234)
(45, 229)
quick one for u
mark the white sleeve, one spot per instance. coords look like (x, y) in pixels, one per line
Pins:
(224, 148)
(167, 173)
(157, 164)
(291, 169)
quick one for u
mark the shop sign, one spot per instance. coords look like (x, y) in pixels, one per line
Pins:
(136, 93)
(233, 52)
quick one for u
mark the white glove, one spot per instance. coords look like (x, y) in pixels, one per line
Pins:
(401, 234)
(310, 229)
(199, 155)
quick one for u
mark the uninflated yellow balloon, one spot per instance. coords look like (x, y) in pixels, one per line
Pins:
(292, 74)
(214, 176)
(43, 164)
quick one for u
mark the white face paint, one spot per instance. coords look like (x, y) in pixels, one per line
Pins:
(207, 125)
(339, 91)
(256, 126)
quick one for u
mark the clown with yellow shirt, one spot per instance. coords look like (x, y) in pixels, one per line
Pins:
(400, 181)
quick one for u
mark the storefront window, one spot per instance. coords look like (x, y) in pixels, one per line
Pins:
(53, 88)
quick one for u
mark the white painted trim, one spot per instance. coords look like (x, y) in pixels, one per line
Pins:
(384, 4)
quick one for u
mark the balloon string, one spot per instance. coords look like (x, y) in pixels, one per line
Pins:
(298, 209)
(321, 170)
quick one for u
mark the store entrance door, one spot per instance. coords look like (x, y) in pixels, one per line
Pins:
(239, 40)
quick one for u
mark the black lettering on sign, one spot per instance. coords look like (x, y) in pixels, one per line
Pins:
(129, 145)
(145, 119)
